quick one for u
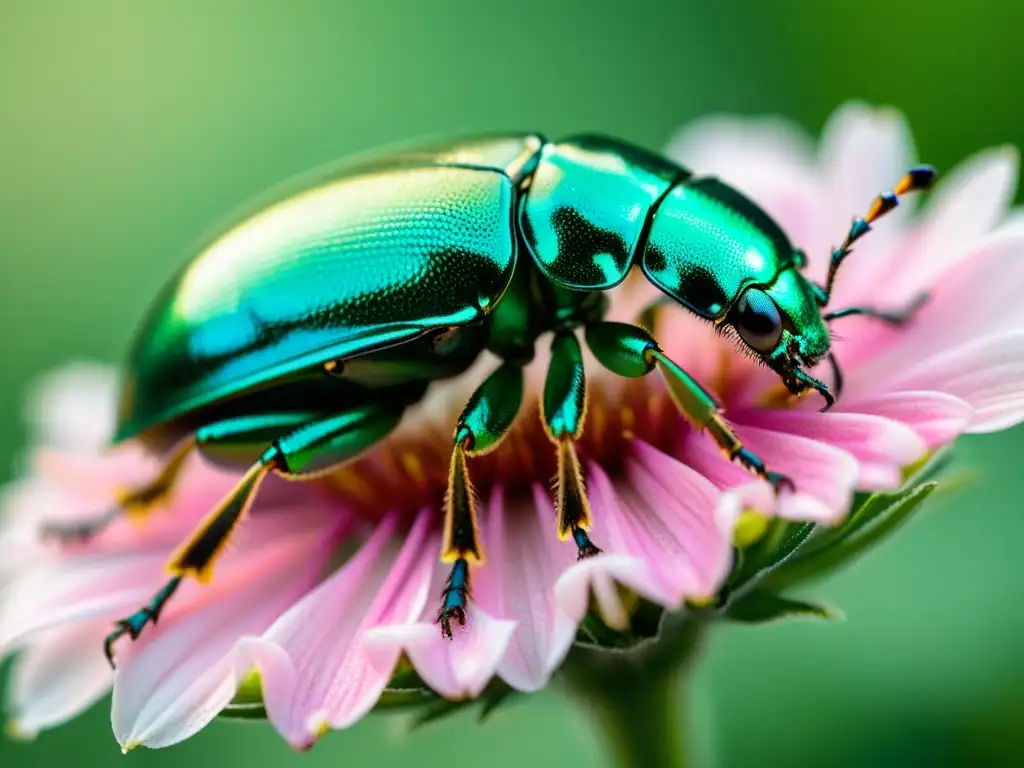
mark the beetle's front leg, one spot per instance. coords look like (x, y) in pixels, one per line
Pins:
(483, 424)
(133, 502)
(630, 351)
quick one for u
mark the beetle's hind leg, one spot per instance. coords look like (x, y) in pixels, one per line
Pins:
(135, 502)
(483, 424)
(630, 351)
(306, 445)
(196, 557)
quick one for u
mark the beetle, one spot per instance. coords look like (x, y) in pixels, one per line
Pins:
(294, 342)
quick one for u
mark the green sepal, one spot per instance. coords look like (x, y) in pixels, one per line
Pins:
(644, 622)
(877, 518)
(794, 556)
(495, 695)
(868, 506)
(758, 607)
(405, 690)
(248, 701)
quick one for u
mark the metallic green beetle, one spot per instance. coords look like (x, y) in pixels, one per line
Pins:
(296, 340)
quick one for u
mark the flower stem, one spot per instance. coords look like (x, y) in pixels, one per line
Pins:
(636, 697)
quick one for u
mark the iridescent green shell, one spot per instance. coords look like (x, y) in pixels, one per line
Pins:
(388, 263)
(587, 209)
(383, 254)
(708, 242)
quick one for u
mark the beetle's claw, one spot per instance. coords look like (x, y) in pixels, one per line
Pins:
(454, 607)
(756, 465)
(779, 481)
(132, 626)
(448, 613)
(584, 546)
(454, 596)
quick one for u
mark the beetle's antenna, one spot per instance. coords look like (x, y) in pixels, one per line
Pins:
(916, 179)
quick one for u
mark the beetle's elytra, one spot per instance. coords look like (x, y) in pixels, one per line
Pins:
(296, 340)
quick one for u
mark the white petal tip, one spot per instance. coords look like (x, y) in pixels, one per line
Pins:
(316, 727)
(1009, 152)
(129, 745)
(15, 730)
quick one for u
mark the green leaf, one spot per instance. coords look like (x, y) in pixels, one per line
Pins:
(880, 516)
(781, 539)
(644, 620)
(928, 467)
(758, 607)
(405, 690)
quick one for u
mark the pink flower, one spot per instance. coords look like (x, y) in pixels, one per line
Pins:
(325, 633)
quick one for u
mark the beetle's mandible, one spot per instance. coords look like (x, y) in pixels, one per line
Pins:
(294, 342)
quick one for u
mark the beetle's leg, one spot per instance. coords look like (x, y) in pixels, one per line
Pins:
(196, 556)
(895, 317)
(306, 451)
(630, 351)
(564, 410)
(483, 424)
(133, 502)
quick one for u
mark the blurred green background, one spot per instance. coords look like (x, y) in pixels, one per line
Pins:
(127, 129)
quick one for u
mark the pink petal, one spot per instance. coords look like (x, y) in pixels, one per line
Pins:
(670, 519)
(314, 670)
(20, 542)
(58, 677)
(75, 590)
(73, 407)
(179, 675)
(986, 373)
(769, 159)
(864, 151)
(882, 446)
(966, 205)
(525, 560)
(825, 476)
(980, 293)
(457, 668)
(699, 452)
(937, 417)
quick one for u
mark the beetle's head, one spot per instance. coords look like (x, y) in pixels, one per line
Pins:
(782, 324)
(717, 253)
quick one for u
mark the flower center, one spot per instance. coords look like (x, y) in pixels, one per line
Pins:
(408, 471)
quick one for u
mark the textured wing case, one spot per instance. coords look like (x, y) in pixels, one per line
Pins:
(348, 267)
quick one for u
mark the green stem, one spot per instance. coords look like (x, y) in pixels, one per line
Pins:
(637, 698)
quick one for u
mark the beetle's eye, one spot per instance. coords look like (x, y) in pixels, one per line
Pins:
(757, 320)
